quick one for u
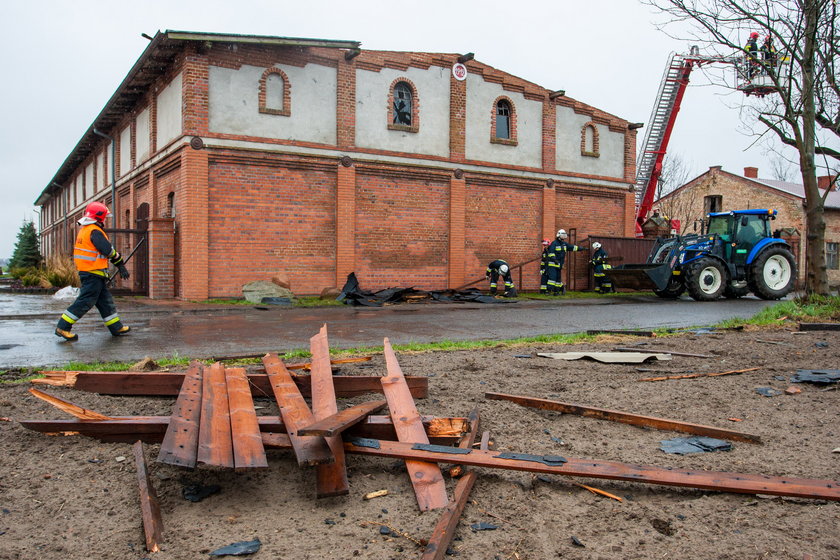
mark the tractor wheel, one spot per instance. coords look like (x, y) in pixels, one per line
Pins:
(736, 290)
(773, 273)
(706, 279)
(673, 290)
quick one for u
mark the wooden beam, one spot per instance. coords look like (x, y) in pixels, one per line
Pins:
(149, 505)
(695, 375)
(337, 423)
(593, 468)
(444, 531)
(426, 478)
(819, 326)
(180, 444)
(68, 407)
(248, 450)
(629, 333)
(475, 425)
(625, 417)
(169, 383)
(330, 480)
(151, 429)
(215, 446)
(309, 450)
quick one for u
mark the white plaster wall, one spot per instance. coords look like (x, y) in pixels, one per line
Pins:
(373, 113)
(89, 181)
(125, 150)
(611, 147)
(234, 104)
(142, 141)
(480, 98)
(169, 125)
(101, 178)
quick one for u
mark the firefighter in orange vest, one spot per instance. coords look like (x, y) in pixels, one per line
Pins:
(91, 254)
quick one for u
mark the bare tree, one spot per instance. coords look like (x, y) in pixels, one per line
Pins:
(675, 173)
(803, 110)
(781, 168)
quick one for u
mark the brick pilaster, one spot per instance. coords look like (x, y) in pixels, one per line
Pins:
(457, 231)
(549, 136)
(630, 214)
(457, 118)
(161, 246)
(346, 106)
(195, 90)
(345, 222)
(549, 212)
(193, 226)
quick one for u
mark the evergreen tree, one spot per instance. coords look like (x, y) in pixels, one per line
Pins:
(27, 252)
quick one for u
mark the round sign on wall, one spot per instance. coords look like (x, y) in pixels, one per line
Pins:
(459, 71)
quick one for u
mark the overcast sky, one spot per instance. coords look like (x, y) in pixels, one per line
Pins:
(64, 60)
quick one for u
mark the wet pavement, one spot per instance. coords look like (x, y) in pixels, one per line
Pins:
(174, 328)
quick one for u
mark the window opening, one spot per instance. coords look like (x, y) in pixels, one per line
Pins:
(832, 256)
(503, 120)
(712, 203)
(402, 104)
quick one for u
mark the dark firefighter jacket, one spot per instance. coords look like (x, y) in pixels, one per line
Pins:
(557, 252)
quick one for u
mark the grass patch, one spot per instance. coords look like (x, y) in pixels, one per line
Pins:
(812, 309)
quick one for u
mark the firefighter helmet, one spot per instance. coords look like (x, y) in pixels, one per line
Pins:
(546, 242)
(561, 234)
(504, 269)
(97, 211)
(596, 245)
(754, 35)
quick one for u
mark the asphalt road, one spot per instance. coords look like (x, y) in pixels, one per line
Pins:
(177, 329)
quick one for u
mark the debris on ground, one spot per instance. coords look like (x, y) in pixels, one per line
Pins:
(698, 444)
(353, 294)
(767, 391)
(608, 357)
(817, 376)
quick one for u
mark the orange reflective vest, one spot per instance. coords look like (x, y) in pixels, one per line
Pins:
(85, 255)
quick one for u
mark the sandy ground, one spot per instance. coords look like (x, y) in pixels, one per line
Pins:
(66, 498)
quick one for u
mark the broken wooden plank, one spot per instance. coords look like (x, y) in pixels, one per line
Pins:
(169, 383)
(469, 438)
(444, 531)
(625, 417)
(215, 446)
(309, 450)
(341, 421)
(694, 375)
(149, 505)
(151, 429)
(630, 333)
(248, 450)
(671, 352)
(68, 407)
(819, 326)
(593, 468)
(330, 480)
(180, 444)
(426, 478)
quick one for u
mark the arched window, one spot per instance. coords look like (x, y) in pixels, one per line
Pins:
(275, 96)
(403, 106)
(503, 123)
(170, 205)
(589, 143)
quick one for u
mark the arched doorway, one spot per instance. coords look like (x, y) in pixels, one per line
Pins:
(141, 257)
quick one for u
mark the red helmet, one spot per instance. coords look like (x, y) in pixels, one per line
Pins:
(97, 211)
(754, 35)
(546, 242)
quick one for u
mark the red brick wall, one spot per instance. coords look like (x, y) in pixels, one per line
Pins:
(402, 230)
(265, 219)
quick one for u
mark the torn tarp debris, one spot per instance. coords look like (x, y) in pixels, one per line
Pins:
(767, 391)
(818, 376)
(696, 444)
(238, 548)
(353, 294)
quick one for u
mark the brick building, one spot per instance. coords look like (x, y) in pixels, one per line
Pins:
(718, 191)
(245, 156)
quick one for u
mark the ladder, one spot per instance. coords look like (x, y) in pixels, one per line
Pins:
(660, 125)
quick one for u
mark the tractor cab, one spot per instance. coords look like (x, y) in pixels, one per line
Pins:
(740, 231)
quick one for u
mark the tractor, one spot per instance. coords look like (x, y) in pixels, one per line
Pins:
(736, 255)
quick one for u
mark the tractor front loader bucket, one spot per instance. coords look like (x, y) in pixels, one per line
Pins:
(640, 276)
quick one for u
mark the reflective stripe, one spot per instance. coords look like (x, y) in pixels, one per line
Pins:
(87, 250)
(69, 318)
(80, 257)
(109, 321)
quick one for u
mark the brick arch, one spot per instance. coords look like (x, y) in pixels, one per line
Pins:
(512, 141)
(415, 107)
(286, 109)
(595, 149)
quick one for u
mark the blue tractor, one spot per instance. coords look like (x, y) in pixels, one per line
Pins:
(736, 255)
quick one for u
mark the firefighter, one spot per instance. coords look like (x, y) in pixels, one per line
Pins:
(768, 54)
(556, 259)
(91, 254)
(752, 55)
(500, 268)
(544, 266)
(603, 284)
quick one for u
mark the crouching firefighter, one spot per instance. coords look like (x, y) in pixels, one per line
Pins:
(91, 254)
(603, 284)
(500, 268)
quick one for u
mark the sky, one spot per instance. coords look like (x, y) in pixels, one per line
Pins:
(64, 60)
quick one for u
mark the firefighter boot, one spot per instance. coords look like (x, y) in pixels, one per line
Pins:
(493, 291)
(563, 290)
(66, 335)
(121, 331)
(510, 292)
